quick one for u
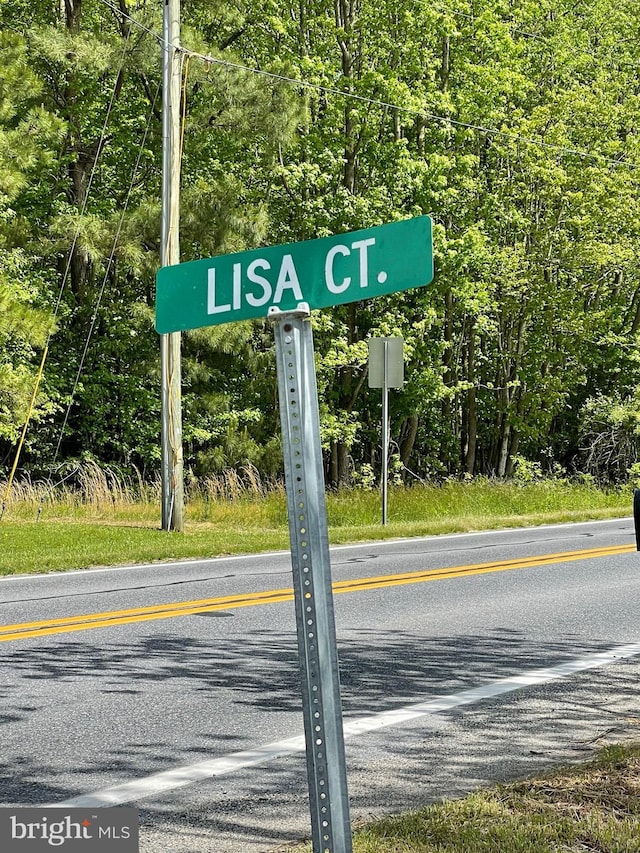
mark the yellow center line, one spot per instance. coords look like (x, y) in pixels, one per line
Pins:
(478, 568)
(68, 624)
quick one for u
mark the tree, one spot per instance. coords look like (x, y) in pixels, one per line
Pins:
(95, 214)
(514, 126)
(509, 344)
(28, 134)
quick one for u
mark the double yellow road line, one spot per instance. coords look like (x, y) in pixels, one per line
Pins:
(68, 624)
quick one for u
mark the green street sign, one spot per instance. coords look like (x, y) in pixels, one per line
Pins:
(324, 272)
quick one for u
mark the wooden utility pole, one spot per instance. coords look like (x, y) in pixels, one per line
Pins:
(172, 465)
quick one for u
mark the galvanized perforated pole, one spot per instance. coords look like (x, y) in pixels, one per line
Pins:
(317, 650)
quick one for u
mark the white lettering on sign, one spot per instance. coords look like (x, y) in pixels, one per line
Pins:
(328, 270)
(237, 286)
(253, 277)
(254, 285)
(288, 279)
(362, 247)
(212, 308)
(264, 295)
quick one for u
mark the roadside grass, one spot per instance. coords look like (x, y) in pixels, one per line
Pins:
(47, 546)
(589, 807)
(103, 519)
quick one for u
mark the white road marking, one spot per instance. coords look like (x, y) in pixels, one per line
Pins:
(180, 777)
(195, 561)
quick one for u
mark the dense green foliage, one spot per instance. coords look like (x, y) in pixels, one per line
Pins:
(515, 125)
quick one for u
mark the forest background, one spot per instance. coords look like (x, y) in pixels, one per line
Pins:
(514, 124)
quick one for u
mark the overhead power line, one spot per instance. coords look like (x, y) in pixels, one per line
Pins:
(447, 120)
(105, 278)
(490, 131)
(61, 290)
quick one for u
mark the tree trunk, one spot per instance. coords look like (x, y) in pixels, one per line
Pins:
(72, 13)
(333, 475)
(448, 416)
(512, 360)
(504, 449)
(471, 407)
(345, 16)
(408, 436)
(513, 452)
(445, 65)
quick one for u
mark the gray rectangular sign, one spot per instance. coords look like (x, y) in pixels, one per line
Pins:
(394, 362)
(41, 830)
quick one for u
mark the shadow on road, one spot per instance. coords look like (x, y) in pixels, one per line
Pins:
(379, 670)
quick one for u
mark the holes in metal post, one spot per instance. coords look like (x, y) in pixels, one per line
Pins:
(295, 407)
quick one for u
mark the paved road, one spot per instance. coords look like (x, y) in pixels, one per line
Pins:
(85, 711)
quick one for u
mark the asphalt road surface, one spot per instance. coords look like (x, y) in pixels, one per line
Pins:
(173, 687)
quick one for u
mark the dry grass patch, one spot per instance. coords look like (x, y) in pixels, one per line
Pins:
(590, 808)
(239, 512)
(612, 782)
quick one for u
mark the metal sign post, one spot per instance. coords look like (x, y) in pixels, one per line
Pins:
(281, 282)
(317, 650)
(385, 430)
(386, 370)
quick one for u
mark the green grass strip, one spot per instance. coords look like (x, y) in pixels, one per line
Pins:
(76, 534)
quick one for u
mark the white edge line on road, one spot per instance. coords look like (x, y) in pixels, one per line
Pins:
(180, 777)
(193, 561)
